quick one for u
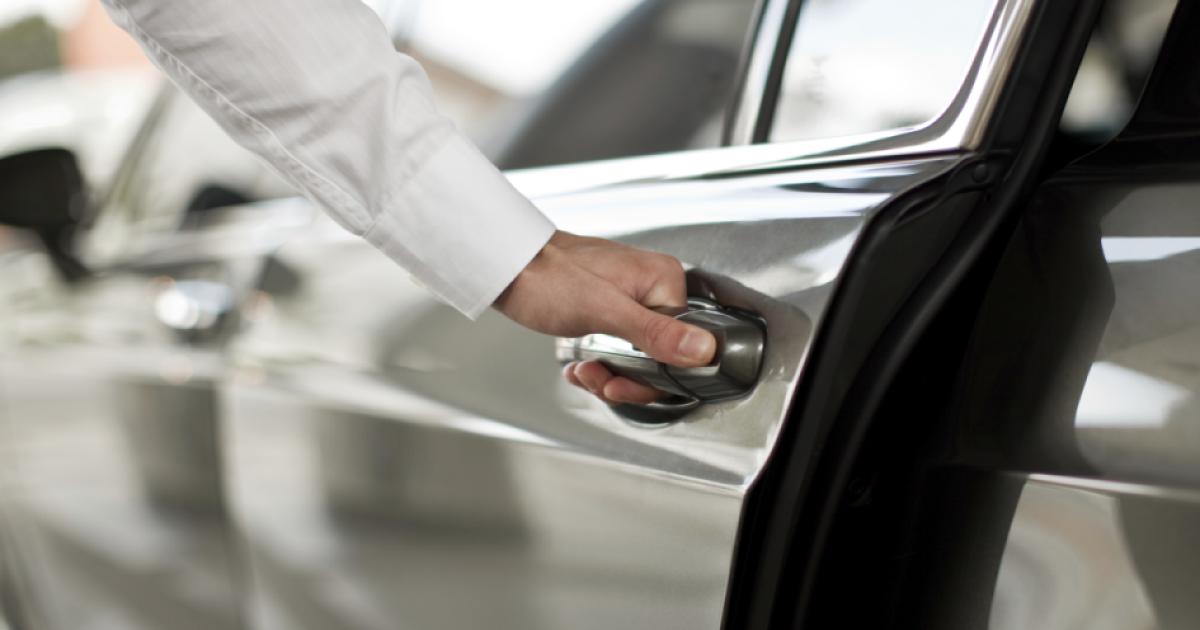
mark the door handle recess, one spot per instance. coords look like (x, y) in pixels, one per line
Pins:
(733, 372)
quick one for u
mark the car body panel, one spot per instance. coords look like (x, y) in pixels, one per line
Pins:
(1080, 397)
(1113, 414)
(1098, 554)
(415, 458)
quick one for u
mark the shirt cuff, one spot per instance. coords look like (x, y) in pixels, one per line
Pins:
(460, 228)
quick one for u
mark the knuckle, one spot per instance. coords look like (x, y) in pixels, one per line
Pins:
(657, 330)
(646, 264)
(667, 266)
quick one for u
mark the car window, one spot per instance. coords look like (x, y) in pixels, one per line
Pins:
(611, 78)
(1112, 75)
(1114, 71)
(865, 66)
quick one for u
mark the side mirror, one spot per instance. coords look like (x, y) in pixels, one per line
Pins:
(43, 191)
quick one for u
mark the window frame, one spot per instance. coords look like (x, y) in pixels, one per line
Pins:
(960, 127)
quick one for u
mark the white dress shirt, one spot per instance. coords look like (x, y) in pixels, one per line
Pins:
(316, 88)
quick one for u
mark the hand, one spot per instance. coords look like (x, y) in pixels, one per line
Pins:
(577, 286)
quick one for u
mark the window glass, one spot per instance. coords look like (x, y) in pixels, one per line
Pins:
(1115, 68)
(612, 78)
(865, 66)
(1111, 76)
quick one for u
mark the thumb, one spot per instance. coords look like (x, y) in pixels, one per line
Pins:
(665, 338)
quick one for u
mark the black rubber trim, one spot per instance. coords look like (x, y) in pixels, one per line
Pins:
(766, 109)
(734, 110)
(785, 526)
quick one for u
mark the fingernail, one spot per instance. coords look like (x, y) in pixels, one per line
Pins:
(697, 345)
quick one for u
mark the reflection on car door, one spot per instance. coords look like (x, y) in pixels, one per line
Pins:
(115, 505)
(390, 460)
(392, 464)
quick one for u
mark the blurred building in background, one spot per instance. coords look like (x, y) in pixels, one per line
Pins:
(76, 35)
(28, 45)
(95, 42)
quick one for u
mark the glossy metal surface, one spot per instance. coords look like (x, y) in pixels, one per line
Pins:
(1138, 415)
(1099, 292)
(771, 15)
(1090, 372)
(740, 347)
(1102, 555)
(1095, 325)
(391, 460)
(731, 374)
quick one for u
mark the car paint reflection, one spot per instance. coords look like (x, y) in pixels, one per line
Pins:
(1094, 554)
(482, 477)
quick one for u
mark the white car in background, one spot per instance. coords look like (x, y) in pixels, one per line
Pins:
(93, 113)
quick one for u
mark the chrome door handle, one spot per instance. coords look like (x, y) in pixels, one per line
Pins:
(733, 372)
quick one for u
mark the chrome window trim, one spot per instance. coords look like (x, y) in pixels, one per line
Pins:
(758, 71)
(961, 126)
(565, 179)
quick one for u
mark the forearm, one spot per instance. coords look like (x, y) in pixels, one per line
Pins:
(315, 88)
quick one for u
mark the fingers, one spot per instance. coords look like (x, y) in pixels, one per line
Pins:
(576, 286)
(589, 375)
(598, 380)
(569, 374)
(630, 392)
(665, 338)
(668, 283)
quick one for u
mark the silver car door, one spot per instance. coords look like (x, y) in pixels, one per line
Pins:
(391, 464)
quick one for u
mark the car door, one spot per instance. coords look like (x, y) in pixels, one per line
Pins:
(1097, 443)
(391, 464)
(1026, 460)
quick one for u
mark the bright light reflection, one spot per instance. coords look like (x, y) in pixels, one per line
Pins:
(1147, 248)
(177, 311)
(1116, 396)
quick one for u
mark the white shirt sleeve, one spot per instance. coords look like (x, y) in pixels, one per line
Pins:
(316, 88)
